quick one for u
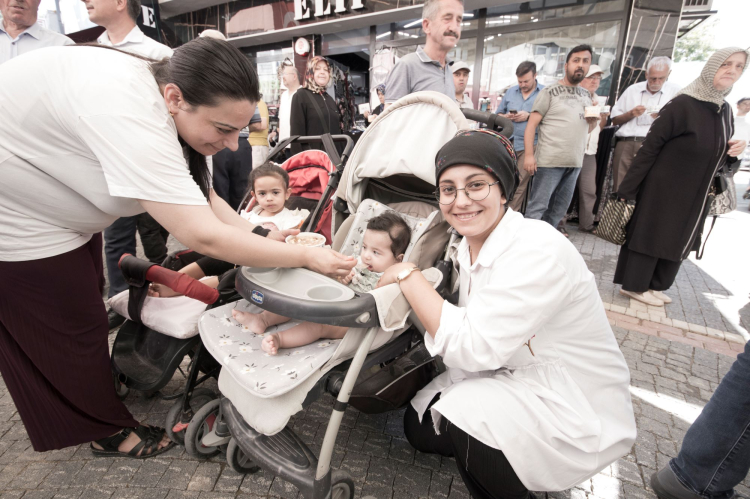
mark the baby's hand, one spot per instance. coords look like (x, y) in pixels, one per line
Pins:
(347, 279)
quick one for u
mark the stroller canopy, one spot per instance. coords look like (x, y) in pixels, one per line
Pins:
(402, 142)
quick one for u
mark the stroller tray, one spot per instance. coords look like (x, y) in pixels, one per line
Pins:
(297, 283)
(239, 352)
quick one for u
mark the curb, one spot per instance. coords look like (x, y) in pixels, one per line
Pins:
(653, 321)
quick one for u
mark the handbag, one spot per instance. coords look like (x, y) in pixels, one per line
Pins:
(724, 199)
(614, 220)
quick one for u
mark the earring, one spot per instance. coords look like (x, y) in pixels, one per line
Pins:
(171, 113)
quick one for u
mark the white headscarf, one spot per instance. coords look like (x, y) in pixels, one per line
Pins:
(702, 88)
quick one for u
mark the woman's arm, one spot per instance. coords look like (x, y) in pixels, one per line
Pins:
(424, 300)
(502, 316)
(198, 228)
(226, 214)
(668, 125)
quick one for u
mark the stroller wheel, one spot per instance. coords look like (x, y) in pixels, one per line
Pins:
(342, 485)
(202, 424)
(120, 388)
(201, 397)
(240, 462)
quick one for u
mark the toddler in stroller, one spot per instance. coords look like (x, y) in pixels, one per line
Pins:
(383, 244)
(269, 189)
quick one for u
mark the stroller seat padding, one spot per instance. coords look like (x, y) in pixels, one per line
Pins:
(239, 352)
(368, 209)
(176, 316)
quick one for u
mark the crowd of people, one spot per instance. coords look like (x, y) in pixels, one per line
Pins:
(131, 137)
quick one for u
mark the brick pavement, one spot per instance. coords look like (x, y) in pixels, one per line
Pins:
(673, 373)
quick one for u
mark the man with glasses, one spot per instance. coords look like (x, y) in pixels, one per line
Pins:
(636, 110)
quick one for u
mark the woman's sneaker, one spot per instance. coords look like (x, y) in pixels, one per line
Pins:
(660, 296)
(646, 298)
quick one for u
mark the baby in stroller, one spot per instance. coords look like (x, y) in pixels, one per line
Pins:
(383, 245)
(269, 186)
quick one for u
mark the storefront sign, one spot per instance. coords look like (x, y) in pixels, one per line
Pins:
(303, 8)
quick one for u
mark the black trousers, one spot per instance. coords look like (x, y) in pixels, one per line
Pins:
(231, 172)
(638, 272)
(485, 471)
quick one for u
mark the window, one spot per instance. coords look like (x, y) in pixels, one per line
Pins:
(542, 10)
(548, 49)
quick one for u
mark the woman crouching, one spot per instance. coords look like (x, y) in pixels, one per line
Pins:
(536, 393)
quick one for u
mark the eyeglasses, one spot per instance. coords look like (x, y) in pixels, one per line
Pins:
(476, 190)
(595, 77)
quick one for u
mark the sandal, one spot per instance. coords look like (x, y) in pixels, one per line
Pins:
(563, 231)
(150, 437)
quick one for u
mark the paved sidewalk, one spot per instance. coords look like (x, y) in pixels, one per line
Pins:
(677, 355)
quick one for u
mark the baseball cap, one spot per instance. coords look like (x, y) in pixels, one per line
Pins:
(459, 65)
(593, 70)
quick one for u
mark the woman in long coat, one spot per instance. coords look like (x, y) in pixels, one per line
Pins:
(313, 111)
(671, 178)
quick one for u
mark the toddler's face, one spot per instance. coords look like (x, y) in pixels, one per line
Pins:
(270, 193)
(376, 251)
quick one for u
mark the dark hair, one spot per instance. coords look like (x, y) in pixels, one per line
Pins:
(396, 227)
(580, 48)
(268, 169)
(134, 9)
(525, 67)
(206, 70)
(742, 100)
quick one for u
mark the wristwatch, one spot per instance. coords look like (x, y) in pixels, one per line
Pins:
(405, 273)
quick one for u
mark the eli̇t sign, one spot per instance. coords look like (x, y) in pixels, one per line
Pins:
(303, 8)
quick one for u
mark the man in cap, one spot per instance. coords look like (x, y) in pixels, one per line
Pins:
(20, 33)
(587, 178)
(635, 111)
(461, 72)
(516, 106)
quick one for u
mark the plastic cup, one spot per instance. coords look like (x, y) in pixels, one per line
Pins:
(309, 239)
(605, 109)
(591, 112)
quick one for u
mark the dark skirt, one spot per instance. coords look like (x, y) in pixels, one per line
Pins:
(54, 354)
(638, 272)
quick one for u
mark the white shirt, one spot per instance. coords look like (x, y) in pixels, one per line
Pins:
(283, 220)
(138, 43)
(592, 139)
(85, 134)
(35, 37)
(285, 113)
(561, 414)
(638, 95)
(466, 103)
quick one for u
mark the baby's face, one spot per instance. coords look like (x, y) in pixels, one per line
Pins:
(376, 251)
(270, 193)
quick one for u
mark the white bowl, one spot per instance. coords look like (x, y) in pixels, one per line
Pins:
(310, 239)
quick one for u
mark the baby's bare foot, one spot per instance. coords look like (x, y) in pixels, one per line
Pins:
(271, 344)
(254, 322)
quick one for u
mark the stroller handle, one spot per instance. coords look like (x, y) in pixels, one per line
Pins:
(492, 120)
(137, 272)
(317, 139)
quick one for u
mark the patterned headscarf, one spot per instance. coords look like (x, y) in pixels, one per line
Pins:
(310, 75)
(702, 88)
(380, 88)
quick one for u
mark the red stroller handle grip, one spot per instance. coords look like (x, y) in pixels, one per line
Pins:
(183, 283)
(133, 270)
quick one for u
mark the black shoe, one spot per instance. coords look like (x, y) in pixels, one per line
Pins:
(115, 319)
(667, 486)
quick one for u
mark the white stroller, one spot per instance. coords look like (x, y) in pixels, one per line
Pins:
(391, 168)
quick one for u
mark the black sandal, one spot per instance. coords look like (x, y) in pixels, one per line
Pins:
(150, 437)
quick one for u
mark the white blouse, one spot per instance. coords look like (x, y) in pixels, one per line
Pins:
(84, 135)
(534, 368)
